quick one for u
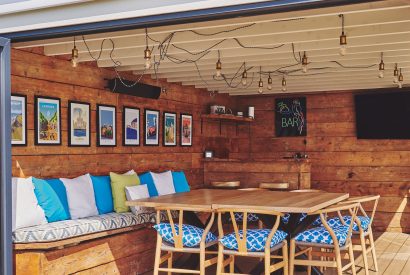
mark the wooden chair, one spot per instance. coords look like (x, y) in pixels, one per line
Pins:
(362, 229)
(226, 184)
(278, 186)
(325, 242)
(307, 190)
(244, 242)
(192, 239)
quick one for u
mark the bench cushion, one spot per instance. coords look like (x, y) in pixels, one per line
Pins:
(73, 228)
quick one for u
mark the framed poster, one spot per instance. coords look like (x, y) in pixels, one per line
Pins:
(151, 127)
(170, 129)
(290, 117)
(18, 120)
(47, 121)
(131, 126)
(106, 125)
(79, 124)
(186, 130)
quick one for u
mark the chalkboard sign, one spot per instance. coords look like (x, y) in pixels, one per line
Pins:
(290, 117)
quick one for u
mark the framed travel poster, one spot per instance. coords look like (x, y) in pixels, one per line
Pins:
(186, 130)
(131, 126)
(106, 125)
(79, 123)
(18, 120)
(47, 121)
(151, 127)
(170, 129)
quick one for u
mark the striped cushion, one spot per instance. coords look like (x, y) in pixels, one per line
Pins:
(320, 235)
(255, 239)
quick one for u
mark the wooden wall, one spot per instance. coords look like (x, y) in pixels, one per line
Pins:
(36, 74)
(340, 162)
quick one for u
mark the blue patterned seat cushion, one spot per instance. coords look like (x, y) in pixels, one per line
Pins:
(286, 217)
(251, 217)
(364, 222)
(320, 235)
(191, 235)
(255, 239)
(72, 228)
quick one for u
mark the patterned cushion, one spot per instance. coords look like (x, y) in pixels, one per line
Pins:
(322, 236)
(255, 239)
(72, 228)
(191, 235)
(286, 217)
(251, 217)
(364, 222)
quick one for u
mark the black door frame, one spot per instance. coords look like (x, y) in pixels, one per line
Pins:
(6, 250)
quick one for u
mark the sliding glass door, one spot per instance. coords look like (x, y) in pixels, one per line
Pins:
(6, 260)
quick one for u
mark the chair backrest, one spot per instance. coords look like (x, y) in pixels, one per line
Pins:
(241, 239)
(178, 235)
(370, 200)
(335, 209)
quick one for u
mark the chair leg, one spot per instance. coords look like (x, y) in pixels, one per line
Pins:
(338, 262)
(202, 260)
(285, 259)
(373, 249)
(292, 257)
(220, 262)
(170, 262)
(267, 262)
(351, 256)
(157, 255)
(364, 254)
(309, 267)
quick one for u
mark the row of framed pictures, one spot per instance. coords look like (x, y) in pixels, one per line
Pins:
(47, 124)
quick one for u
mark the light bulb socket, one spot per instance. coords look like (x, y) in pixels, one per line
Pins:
(270, 80)
(74, 52)
(283, 82)
(219, 65)
(400, 77)
(147, 53)
(304, 59)
(343, 39)
(260, 83)
(244, 74)
(381, 66)
(396, 71)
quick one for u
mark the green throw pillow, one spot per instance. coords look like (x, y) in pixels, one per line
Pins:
(118, 184)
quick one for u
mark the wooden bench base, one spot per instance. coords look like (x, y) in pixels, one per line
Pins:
(129, 252)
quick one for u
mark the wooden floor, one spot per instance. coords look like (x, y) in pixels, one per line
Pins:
(393, 254)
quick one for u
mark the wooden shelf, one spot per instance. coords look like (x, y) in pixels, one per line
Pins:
(227, 117)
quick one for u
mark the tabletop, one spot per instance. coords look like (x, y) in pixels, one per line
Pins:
(210, 199)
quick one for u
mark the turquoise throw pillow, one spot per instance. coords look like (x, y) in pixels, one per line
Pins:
(61, 192)
(103, 194)
(180, 182)
(147, 179)
(49, 200)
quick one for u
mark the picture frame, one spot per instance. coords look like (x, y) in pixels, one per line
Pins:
(169, 134)
(131, 126)
(151, 127)
(106, 125)
(79, 124)
(18, 120)
(47, 128)
(186, 129)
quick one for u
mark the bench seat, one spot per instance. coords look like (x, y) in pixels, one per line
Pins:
(67, 229)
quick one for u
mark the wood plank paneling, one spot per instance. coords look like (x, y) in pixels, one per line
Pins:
(340, 162)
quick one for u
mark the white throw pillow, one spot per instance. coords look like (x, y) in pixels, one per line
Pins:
(80, 196)
(131, 172)
(25, 211)
(135, 193)
(164, 183)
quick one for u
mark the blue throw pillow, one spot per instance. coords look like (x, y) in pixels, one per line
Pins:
(103, 194)
(50, 201)
(61, 192)
(147, 179)
(180, 182)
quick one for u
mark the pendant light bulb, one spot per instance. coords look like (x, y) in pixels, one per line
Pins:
(269, 83)
(244, 79)
(395, 74)
(342, 38)
(284, 88)
(218, 68)
(381, 67)
(260, 84)
(74, 56)
(147, 57)
(304, 63)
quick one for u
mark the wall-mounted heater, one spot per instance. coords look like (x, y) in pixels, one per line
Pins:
(139, 89)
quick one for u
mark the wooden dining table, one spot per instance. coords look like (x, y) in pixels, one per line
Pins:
(206, 200)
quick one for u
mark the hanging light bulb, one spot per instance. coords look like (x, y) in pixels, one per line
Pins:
(343, 38)
(284, 88)
(269, 83)
(244, 79)
(400, 80)
(147, 52)
(381, 67)
(395, 74)
(218, 68)
(304, 63)
(260, 84)
(74, 56)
